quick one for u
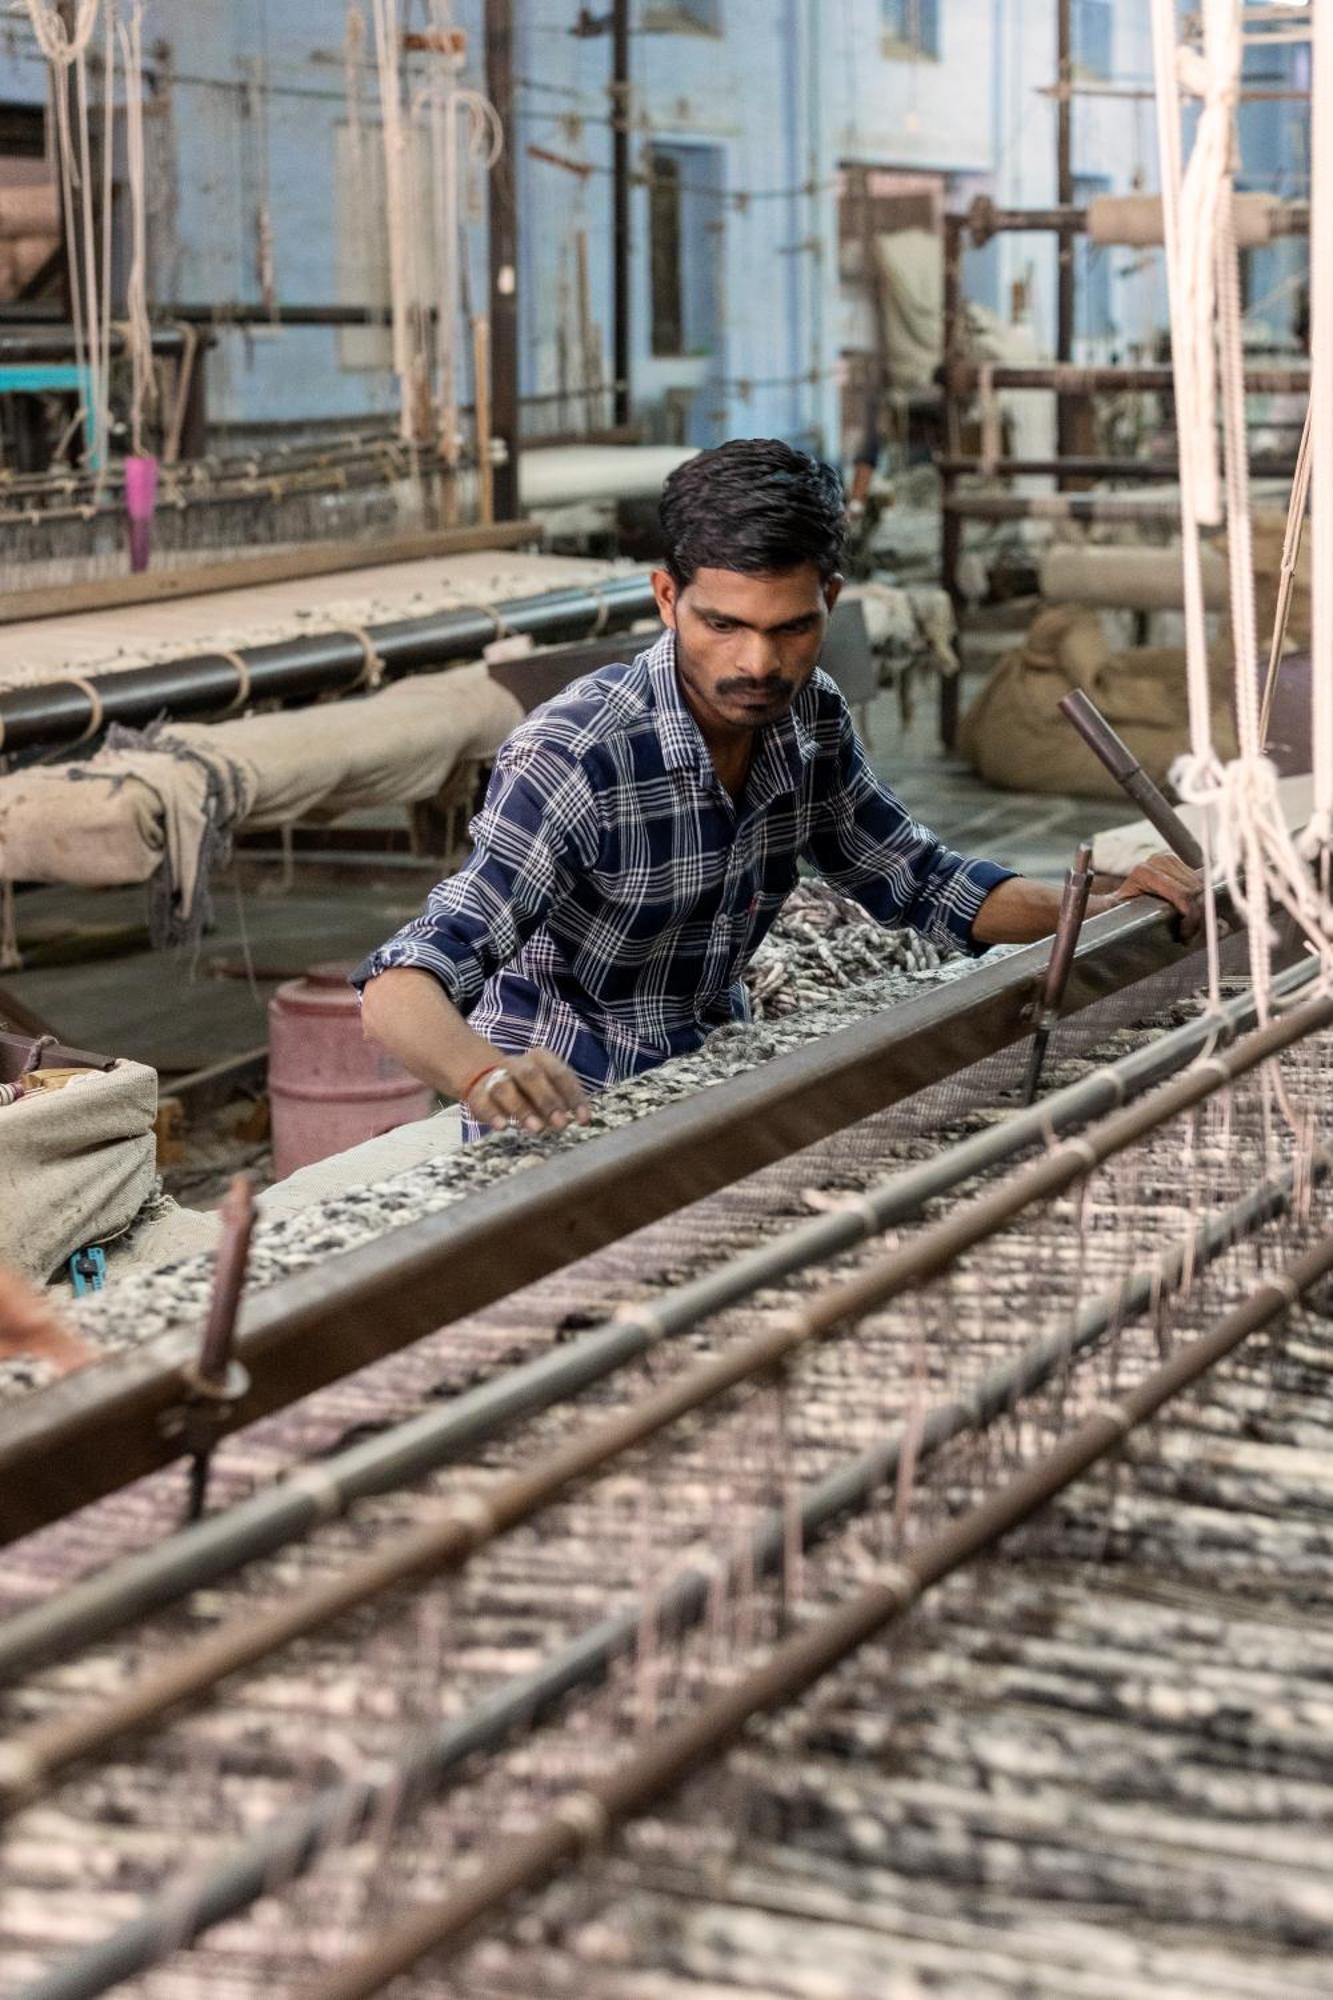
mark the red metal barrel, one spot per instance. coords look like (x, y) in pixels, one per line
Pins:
(329, 1088)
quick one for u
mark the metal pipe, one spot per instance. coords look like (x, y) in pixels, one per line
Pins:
(445, 1542)
(1140, 470)
(95, 1432)
(198, 1556)
(298, 669)
(1114, 753)
(1065, 415)
(584, 1821)
(620, 222)
(502, 187)
(293, 1844)
(984, 220)
(1122, 507)
(1073, 380)
(951, 533)
(1073, 909)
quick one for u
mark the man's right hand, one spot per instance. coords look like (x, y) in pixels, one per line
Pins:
(408, 1013)
(536, 1092)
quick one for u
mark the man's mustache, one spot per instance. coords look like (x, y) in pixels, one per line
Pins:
(771, 688)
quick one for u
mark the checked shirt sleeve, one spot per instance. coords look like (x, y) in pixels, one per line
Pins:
(863, 840)
(539, 827)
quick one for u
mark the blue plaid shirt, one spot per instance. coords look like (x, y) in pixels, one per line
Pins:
(616, 892)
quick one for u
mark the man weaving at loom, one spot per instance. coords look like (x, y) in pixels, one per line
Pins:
(642, 830)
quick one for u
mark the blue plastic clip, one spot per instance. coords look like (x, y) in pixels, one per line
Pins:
(87, 1269)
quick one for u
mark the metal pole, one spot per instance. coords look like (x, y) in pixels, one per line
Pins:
(503, 185)
(951, 526)
(620, 126)
(1064, 194)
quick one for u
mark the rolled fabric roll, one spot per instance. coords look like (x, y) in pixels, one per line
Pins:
(1136, 219)
(1131, 579)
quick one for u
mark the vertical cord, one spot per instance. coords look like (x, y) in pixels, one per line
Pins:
(1320, 830)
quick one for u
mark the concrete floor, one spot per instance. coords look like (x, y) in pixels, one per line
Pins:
(174, 1012)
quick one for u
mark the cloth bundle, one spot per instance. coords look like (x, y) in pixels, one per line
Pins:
(1015, 736)
(161, 806)
(76, 1165)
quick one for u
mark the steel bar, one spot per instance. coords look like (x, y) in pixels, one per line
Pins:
(621, 223)
(1072, 379)
(984, 220)
(197, 1556)
(1124, 507)
(299, 669)
(1114, 753)
(1073, 910)
(583, 1821)
(1066, 416)
(88, 1436)
(502, 232)
(1141, 471)
(447, 1541)
(294, 1844)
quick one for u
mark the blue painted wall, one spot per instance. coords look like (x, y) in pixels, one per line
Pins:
(788, 91)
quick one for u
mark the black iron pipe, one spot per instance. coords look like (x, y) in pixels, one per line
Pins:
(298, 669)
(1072, 379)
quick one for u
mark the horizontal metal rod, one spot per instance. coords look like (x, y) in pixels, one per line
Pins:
(584, 1821)
(983, 221)
(1162, 509)
(447, 1540)
(337, 1817)
(1116, 757)
(320, 663)
(1071, 378)
(98, 1430)
(56, 343)
(1140, 470)
(207, 1550)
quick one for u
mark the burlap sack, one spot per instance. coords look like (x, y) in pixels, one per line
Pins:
(1015, 736)
(76, 1166)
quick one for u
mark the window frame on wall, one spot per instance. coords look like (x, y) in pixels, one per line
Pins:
(1092, 47)
(681, 17)
(911, 28)
(684, 274)
(1094, 299)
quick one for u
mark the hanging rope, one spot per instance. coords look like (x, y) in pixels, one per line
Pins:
(138, 333)
(1245, 831)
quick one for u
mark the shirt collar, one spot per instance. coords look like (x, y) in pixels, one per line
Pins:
(784, 747)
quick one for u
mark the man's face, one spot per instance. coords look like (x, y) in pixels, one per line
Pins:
(746, 645)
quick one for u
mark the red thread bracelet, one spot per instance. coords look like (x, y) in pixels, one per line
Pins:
(489, 1070)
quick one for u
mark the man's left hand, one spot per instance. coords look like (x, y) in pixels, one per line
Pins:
(1166, 877)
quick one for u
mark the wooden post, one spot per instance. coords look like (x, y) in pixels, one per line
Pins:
(481, 376)
(504, 256)
(620, 122)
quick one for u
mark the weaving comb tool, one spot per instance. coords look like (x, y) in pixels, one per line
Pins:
(1069, 923)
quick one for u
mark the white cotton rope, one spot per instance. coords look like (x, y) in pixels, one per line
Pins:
(1319, 833)
(138, 330)
(1245, 831)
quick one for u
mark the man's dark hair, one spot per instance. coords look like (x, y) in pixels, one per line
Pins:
(755, 505)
